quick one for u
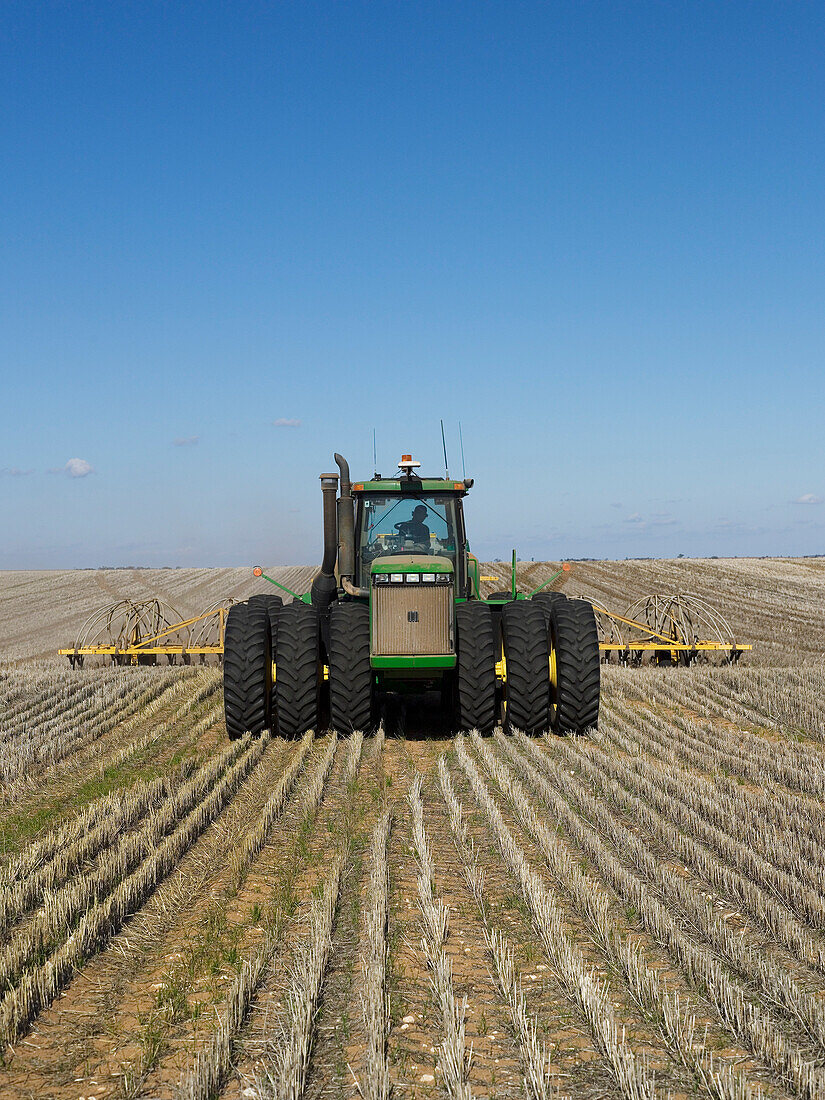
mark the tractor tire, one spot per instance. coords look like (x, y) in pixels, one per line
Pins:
(234, 670)
(268, 600)
(527, 690)
(273, 606)
(574, 702)
(476, 667)
(350, 673)
(545, 600)
(297, 669)
(258, 673)
(508, 595)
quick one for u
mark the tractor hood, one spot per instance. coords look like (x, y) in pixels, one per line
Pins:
(411, 563)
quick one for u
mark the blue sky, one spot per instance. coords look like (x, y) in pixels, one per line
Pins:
(236, 237)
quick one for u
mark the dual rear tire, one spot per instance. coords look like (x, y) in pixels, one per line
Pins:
(299, 673)
(273, 668)
(549, 649)
(575, 664)
(247, 665)
(255, 698)
(526, 699)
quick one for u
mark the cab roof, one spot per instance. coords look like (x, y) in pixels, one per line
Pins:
(413, 485)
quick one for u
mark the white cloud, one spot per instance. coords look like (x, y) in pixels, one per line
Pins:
(186, 441)
(14, 471)
(78, 467)
(286, 422)
(808, 498)
(656, 519)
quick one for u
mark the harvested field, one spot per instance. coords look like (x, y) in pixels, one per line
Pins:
(635, 913)
(773, 602)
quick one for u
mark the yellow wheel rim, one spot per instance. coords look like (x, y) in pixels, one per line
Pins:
(554, 681)
(503, 664)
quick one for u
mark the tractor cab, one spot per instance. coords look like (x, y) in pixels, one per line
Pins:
(408, 515)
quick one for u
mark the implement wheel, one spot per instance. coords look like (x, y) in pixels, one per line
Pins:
(574, 667)
(350, 674)
(526, 691)
(234, 670)
(476, 667)
(298, 669)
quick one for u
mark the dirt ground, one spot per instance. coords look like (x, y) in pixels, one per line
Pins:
(181, 916)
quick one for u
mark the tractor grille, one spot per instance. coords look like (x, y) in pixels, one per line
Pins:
(408, 620)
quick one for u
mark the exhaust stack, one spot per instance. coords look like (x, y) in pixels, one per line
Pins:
(324, 586)
(346, 532)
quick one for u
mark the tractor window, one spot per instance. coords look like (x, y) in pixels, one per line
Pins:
(405, 525)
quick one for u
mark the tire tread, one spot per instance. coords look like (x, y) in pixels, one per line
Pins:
(578, 669)
(297, 668)
(524, 630)
(234, 670)
(350, 671)
(476, 666)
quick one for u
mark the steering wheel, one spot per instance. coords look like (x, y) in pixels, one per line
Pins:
(419, 547)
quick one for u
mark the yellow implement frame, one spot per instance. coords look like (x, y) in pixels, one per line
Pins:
(697, 647)
(677, 647)
(153, 645)
(654, 641)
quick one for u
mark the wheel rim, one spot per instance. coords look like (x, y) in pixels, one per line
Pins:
(554, 681)
(503, 686)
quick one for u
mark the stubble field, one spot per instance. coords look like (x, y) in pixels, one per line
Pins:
(635, 913)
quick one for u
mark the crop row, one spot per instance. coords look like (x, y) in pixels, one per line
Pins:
(675, 1020)
(534, 1055)
(454, 1058)
(798, 767)
(81, 916)
(675, 913)
(28, 751)
(630, 1070)
(798, 906)
(776, 825)
(375, 1005)
(302, 790)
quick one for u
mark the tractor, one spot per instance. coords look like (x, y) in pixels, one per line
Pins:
(397, 608)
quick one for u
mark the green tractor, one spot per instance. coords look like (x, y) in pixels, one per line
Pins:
(396, 609)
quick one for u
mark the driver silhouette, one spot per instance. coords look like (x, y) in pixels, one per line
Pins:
(415, 528)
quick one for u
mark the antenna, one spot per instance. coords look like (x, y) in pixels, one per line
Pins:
(444, 445)
(463, 463)
(374, 454)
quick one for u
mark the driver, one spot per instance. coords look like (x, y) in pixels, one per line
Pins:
(415, 528)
